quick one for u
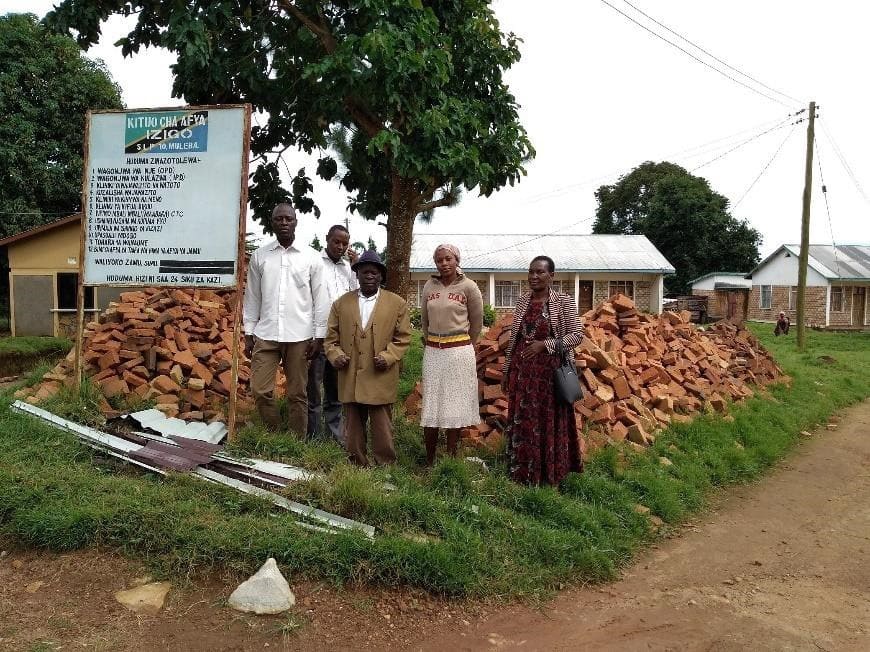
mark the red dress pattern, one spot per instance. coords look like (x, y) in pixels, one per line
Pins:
(542, 445)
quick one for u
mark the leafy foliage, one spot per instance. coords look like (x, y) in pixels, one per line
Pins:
(46, 88)
(410, 93)
(683, 217)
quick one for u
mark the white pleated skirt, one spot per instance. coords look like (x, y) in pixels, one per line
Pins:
(449, 386)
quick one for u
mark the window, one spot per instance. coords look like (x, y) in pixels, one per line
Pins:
(836, 298)
(565, 287)
(792, 298)
(506, 293)
(418, 292)
(766, 295)
(67, 292)
(622, 287)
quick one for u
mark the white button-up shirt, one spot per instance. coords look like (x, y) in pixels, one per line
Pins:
(339, 278)
(366, 306)
(286, 298)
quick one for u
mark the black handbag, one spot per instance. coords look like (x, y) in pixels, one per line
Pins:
(565, 381)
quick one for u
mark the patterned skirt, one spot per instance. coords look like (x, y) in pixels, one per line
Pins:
(449, 387)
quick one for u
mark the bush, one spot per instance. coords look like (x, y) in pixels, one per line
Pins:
(488, 315)
(416, 318)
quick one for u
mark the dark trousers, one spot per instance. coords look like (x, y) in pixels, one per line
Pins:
(380, 417)
(323, 399)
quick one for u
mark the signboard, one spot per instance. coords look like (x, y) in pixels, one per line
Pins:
(165, 191)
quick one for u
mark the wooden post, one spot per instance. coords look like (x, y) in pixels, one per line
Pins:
(240, 279)
(80, 290)
(805, 233)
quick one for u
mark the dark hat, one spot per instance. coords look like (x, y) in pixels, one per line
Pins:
(370, 256)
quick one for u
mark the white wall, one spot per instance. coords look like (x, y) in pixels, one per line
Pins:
(783, 270)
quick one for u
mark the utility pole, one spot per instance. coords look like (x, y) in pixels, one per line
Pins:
(805, 233)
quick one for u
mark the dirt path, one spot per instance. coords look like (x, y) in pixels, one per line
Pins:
(781, 565)
(778, 565)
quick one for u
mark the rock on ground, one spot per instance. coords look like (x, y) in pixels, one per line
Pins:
(145, 599)
(265, 592)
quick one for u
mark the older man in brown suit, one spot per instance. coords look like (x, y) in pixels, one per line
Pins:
(367, 334)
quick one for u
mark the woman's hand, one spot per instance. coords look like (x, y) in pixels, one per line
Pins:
(533, 349)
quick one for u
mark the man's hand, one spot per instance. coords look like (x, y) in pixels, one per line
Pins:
(533, 349)
(313, 349)
(341, 362)
(381, 364)
(352, 255)
(249, 346)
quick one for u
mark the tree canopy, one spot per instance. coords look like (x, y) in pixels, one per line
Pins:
(413, 91)
(683, 217)
(46, 88)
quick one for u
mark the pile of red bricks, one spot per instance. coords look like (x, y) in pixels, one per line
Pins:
(639, 373)
(169, 347)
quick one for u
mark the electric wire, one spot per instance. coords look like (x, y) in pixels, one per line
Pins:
(701, 61)
(843, 162)
(767, 165)
(742, 144)
(689, 152)
(537, 237)
(711, 55)
(827, 206)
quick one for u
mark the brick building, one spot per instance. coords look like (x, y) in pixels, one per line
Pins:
(589, 268)
(727, 294)
(838, 285)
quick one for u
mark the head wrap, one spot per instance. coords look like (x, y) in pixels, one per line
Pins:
(453, 249)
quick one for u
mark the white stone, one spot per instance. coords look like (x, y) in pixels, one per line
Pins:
(265, 592)
(147, 598)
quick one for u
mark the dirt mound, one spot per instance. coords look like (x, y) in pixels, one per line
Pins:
(639, 373)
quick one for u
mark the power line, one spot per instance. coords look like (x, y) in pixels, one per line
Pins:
(695, 150)
(537, 237)
(745, 142)
(711, 55)
(767, 165)
(843, 162)
(827, 206)
(701, 61)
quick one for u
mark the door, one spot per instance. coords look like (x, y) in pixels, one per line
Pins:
(859, 301)
(584, 298)
(33, 300)
(732, 305)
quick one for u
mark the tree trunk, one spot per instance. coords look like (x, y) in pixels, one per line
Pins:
(404, 200)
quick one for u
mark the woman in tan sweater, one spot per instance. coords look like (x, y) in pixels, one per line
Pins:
(452, 316)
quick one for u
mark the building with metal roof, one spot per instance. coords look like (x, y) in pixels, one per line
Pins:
(589, 267)
(838, 285)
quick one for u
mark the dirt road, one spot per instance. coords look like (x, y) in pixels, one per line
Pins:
(779, 565)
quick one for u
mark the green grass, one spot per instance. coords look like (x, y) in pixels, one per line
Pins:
(18, 354)
(457, 529)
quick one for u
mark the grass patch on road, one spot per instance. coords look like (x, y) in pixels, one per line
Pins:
(458, 529)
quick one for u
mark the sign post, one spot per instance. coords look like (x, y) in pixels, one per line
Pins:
(165, 201)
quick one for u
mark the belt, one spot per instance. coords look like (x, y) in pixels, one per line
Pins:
(448, 341)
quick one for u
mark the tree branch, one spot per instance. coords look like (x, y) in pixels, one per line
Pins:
(321, 31)
(443, 200)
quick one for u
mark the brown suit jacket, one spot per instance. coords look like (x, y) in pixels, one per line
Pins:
(388, 334)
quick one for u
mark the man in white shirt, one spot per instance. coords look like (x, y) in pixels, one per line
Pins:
(285, 311)
(322, 379)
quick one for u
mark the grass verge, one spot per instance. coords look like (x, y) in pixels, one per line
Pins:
(458, 529)
(18, 354)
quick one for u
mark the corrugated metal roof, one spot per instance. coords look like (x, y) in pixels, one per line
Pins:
(570, 252)
(701, 278)
(841, 262)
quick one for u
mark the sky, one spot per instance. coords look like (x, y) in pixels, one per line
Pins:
(599, 95)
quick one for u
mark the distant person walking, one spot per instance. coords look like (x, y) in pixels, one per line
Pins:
(369, 332)
(284, 317)
(323, 404)
(542, 445)
(452, 318)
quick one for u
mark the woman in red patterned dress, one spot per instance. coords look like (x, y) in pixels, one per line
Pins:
(542, 444)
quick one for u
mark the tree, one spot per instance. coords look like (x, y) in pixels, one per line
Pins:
(417, 85)
(46, 88)
(315, 244)
(683, 217)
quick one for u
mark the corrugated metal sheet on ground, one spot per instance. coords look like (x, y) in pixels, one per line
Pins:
(155, 420)
(570, 252)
